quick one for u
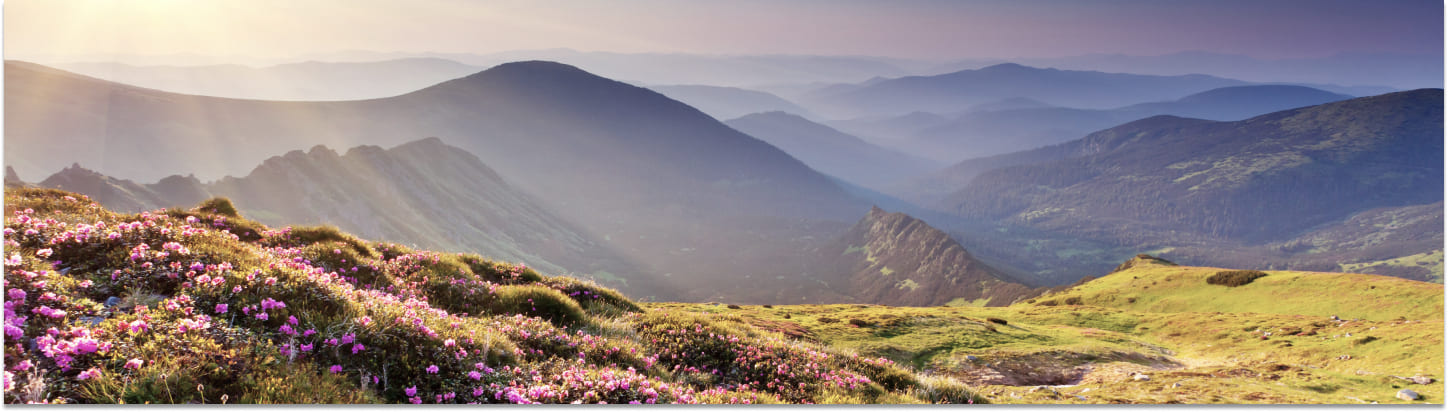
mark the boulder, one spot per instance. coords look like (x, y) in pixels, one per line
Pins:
(1409, 395)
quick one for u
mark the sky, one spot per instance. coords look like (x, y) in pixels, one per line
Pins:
(918, 29)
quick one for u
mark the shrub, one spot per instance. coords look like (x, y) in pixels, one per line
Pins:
(308, 235)
(593, 297)
(218, 205)
(827, 319)
(997, 321)
(1235, 278)
(540, 301)
(860, 323)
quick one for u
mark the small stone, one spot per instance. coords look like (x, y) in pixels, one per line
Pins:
(1141, 377)
(971, 358)
(92, 320)
(112, 301)
(1421, 380)
(1082, 398)
(1334, 317)
(1409, 395)
(1176, 385)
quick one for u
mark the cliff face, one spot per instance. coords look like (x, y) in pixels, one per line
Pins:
(895, 259)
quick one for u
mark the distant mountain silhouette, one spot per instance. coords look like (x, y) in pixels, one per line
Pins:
(422, 193)
(1262, 179)
(725, 103)
(986, 133)
(1358, 74)
(311, 80)
(831, 151)
(959, 91)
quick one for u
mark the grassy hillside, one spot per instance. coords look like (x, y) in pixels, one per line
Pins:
(1271, 341)
(206, 306)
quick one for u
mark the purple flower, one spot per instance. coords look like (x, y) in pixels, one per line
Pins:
(475, 375)
(411, 391)
(336, 368)
(432, 369)
(221, 308)
(134, 364)
(357, 348)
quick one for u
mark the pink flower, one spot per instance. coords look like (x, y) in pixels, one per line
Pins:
(449, 342)
(411, 391)
(221, 308)
(336, 368)
(474, 375)
(432, 369)
(134, 364)
(88, 373)
(357, 348)
(45, 253)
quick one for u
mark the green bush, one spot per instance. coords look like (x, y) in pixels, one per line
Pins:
(1235, 278)
(540, 301)
(308, 235)
(220, 206)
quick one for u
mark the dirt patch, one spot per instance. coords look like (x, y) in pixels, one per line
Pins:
(1058, 368)
(790, 329)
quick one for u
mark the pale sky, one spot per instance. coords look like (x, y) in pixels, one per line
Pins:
(926, 29)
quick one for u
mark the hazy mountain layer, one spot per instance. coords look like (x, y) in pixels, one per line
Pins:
(424, 193)
(958, 91)
(831, 151)
(980, 133)
(725, 103)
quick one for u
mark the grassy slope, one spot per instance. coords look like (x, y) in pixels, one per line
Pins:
(216, 308)
(1199, 343)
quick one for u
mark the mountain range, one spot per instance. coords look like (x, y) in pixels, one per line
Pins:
(986, 132)
(1167, 183)
(725, 103)
(422, 193)
(833, 152)
(959, 91)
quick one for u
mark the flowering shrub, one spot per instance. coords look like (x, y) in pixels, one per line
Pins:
(205, 306)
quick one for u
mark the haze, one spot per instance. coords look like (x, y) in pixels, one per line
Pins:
(919, 29)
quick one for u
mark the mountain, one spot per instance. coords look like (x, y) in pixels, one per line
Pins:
(423, 193)
(986, 133)
(312, 80)
(1389, 70)
(12, 179)
(895, 259)
(647, 174)
(885, 130)
(729, 102)
(959, 91)
(831, 151)
(1163, 181)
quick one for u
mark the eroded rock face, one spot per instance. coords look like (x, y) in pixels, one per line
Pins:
(896, 259)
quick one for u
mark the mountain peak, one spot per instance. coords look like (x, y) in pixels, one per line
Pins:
(1007, 67)
(532, 69)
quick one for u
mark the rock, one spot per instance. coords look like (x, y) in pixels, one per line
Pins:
(1409, 395)
(1421, 380)
(1334, 317)
(1176, 385)
(1141, 377)
(971, 358)
(92, 320)
(1082, 398)
(112, 301)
